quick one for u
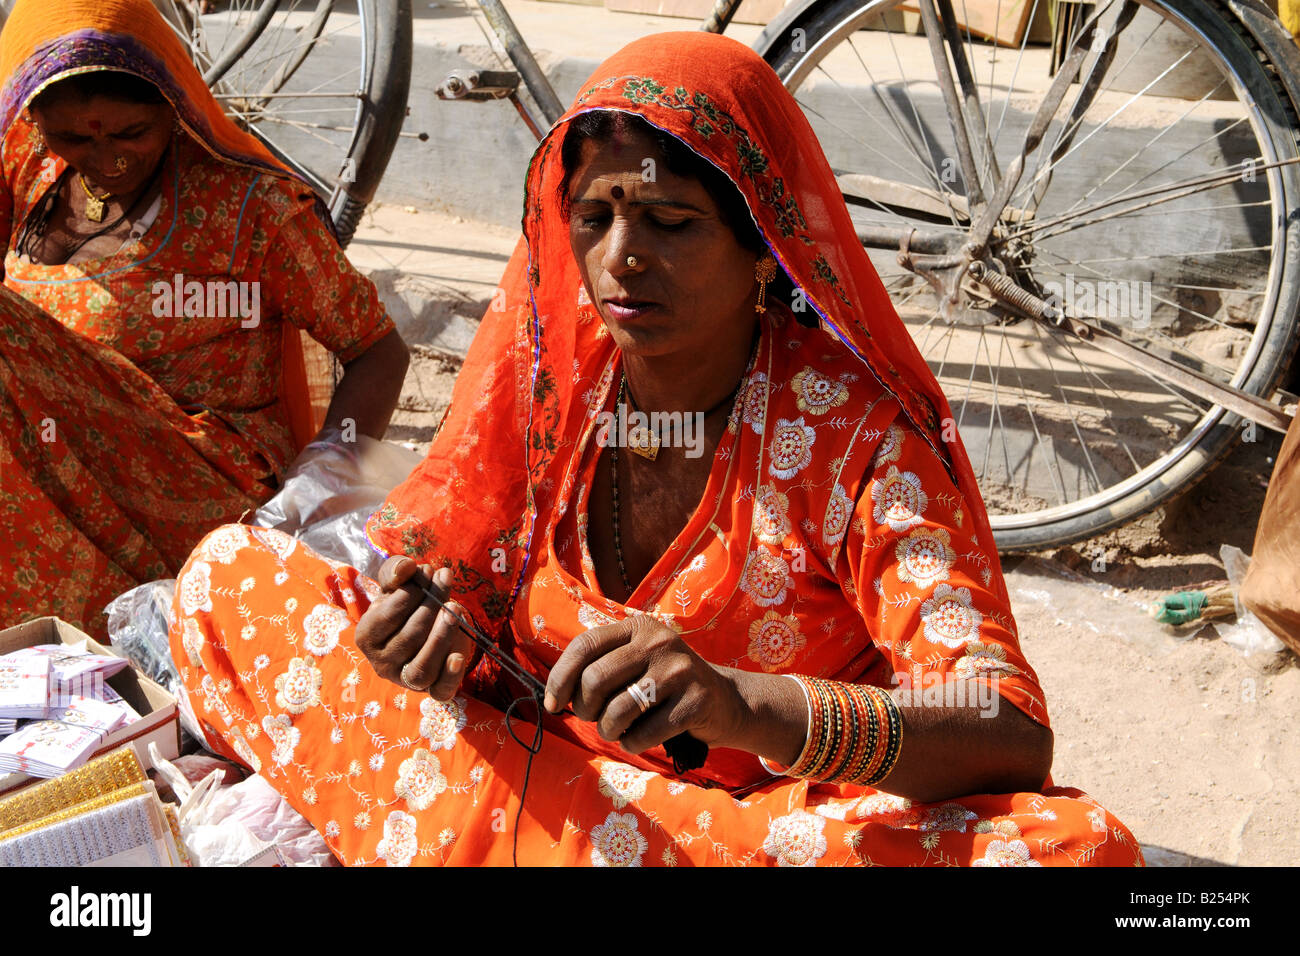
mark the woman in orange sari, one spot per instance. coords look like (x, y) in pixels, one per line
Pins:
(753, 576)
(160, 269)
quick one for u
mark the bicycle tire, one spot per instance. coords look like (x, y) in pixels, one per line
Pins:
(277, 77)
(1254, 50)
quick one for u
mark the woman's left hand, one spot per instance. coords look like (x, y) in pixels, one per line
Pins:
(686, 693)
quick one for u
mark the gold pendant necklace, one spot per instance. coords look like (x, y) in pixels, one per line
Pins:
(94, 204)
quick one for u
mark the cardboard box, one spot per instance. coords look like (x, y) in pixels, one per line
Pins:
(159, 717)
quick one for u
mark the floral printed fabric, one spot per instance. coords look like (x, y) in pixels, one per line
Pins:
(391, 777)
(124, 436)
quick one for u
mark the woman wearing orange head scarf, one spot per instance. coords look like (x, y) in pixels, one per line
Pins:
(737, 580)
(152, 378)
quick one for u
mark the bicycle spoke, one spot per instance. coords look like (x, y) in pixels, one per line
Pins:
(1069, 408)
(1151, 142)
(1075, 147)
(1053, 467)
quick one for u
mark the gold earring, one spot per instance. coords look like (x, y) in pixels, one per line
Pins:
(764, 272)
(631, 262)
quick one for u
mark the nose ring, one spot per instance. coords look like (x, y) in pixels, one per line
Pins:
(120, 163)
(631, 262)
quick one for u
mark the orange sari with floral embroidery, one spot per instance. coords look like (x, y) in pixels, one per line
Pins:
(127, 431)
(838, 536)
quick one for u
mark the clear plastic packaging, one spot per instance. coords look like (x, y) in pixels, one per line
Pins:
(230, 825)
(330, 492)
(137, 625)
(1248, 634)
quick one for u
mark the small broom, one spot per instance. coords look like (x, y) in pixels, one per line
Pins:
(1186, 607)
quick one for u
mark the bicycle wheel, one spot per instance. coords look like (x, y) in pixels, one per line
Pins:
(1118, 217)
(323, 83)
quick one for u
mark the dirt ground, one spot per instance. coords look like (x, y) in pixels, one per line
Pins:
(1185, 738)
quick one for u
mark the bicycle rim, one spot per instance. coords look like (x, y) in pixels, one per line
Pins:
(298, 77)
(1066, 440)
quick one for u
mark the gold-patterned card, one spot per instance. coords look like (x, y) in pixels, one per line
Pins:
(103, 775)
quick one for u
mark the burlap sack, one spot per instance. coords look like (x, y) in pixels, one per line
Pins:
(1272, 586)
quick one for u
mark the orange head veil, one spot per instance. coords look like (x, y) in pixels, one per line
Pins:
(474, 502)
(45, 41)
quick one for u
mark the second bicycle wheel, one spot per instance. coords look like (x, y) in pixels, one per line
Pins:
(1118, 215)
(323, 83)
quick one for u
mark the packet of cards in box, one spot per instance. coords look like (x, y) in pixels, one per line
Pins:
(47, 748)
(24, 687)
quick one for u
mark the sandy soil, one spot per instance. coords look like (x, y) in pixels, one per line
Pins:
(1184, 738)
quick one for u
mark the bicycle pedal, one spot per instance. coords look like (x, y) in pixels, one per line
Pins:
(478, 85)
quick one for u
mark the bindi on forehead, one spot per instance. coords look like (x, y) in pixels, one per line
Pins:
(616, 192)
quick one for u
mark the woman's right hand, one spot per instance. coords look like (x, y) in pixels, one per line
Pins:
(405, 636)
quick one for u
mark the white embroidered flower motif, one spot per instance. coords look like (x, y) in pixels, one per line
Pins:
(261, 662)
(245, 752)
(589, 616)
(898, 500)
(925, 556)
(192, 641)
(949, 618)
(774, 640)
(1004, 853)
(280, 543)
(816, 394)
(332, 829)
(376, 762)
(420, 780)
(441, 721)
(676, 788)
(839, 511)
(622, 783)
(298, 688)
(283, 735)
(985, 660)
(791, 448)
(194, 587)
(766, 578)
(796, 839)
(321, 628)
(617, 842)
(887, 808)
(890, 446)
(398, 846)
(372, 709)
(223, 544)
(213, 701)
(753, 407)
(833, 809)
(771, 517)
(949, 816)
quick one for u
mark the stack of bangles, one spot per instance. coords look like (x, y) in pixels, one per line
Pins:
(855, 734)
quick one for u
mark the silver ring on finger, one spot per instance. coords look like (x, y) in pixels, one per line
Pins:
(642, 699)
(406, 679)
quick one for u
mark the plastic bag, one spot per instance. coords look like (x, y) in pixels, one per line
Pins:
(1248, 634)
(137, 625)
(330, 492)
(227, 826)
